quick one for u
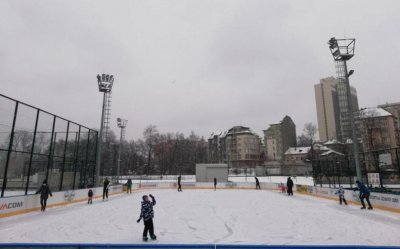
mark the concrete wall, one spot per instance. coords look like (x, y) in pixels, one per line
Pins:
(207, 172)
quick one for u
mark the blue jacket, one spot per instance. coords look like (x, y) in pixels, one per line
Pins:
(362, 188)
(340, 192)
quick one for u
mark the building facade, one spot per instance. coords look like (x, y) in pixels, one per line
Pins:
(394, 109)
(238, 147)
(327, 102)
(278, 138)
(380, 135)
(332, 109)
(378, 128)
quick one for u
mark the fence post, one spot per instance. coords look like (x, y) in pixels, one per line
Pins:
(50, 157)
(64, 157)
(87, 155)
(76, 155)
(32, 151)
(95, 156)
(3, 188)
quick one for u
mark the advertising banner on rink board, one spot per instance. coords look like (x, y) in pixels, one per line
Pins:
(22, 204)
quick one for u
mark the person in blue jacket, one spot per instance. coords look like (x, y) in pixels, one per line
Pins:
(364, 194)
(340, 192)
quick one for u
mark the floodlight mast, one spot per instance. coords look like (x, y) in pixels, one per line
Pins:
(342, 50)
(105, 83)
(121, 124)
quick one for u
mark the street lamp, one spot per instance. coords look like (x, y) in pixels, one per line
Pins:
(105, 83)
(343, 50)
(121, 124)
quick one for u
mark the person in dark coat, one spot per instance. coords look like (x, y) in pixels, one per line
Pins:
(105, 188)
(90, 197)
(289, 186)
(215, 183)
(44, 191)
(129, 186)
(257, 183)
(147, 214)
(179, 184)
(364, 194)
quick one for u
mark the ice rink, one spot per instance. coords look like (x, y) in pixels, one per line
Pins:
(207, 216)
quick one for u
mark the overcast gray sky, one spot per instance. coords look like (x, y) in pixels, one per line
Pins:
(193, 64)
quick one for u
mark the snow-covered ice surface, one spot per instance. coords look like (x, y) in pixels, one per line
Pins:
(207, 216)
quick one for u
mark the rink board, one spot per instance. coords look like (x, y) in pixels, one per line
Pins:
(183, 246)
(15, 205)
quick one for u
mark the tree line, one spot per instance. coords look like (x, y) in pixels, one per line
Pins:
(154, 153)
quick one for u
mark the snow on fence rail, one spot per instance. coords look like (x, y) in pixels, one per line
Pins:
(184, 246)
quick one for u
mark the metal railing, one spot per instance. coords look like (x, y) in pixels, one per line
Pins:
(380, 169)
(188, 246)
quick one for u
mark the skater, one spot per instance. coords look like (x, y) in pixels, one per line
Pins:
(105, 188)
(282, 188)
(179, 184)
(44, 195)
(215, 184)
(340, 192)
(364, 194)
(257, 183)
(90, 197)
(147, 214)
(129, 186)
(289, 185)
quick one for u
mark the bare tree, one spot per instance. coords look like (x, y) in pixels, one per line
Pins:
(308, 136)
(151, 136)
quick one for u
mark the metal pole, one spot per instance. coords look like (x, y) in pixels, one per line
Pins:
(119, 155)
(32, 151)
(95, 156)
(64, 157)
(9, 149)
(76, 154)
(100, 141)
(353, 126)
(86, 159)
(50, 158)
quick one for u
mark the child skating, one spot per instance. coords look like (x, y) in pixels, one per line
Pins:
(340, 192)
(147, 214)
(90, 197)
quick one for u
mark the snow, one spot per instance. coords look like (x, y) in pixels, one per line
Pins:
(207, 216)
(374, 112)
(297, 150)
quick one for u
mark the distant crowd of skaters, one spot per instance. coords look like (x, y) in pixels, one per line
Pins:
(147, 212)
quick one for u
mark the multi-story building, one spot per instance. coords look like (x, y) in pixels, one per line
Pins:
(327, 101)
(238, 147)
(378, 128)
(278, 138)
(379, 134)
(215, 144)
(332, 109)
(243, 147)
(394, 109)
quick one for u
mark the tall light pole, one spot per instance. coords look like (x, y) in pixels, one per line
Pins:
(343, 50)
(105, 83)
(121, 124)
